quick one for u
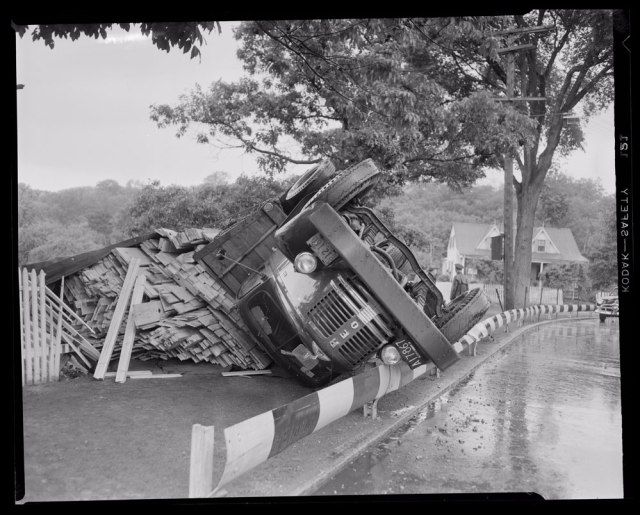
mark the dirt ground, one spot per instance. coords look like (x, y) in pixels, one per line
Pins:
(86, 439)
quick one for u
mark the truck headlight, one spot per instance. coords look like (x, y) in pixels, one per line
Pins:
(390, 355)
(305, 262)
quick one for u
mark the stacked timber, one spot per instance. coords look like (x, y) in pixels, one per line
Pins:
(184, 312)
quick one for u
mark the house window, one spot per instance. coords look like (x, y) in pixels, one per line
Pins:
(540, 245)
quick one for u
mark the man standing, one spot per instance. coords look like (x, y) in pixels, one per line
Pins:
(460, 283)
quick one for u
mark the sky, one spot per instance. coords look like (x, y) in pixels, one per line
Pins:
(83, 115)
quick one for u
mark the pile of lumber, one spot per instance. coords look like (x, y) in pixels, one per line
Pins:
(182, 311)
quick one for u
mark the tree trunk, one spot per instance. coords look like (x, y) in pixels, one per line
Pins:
(527, 203)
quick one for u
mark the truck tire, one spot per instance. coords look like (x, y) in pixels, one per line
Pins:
(292, 235)
(462, 314)
(310, 182)
(602, 318)
(348, 184)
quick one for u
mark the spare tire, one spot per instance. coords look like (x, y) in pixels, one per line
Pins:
(311, 181)
(348, 184)
(462, 313)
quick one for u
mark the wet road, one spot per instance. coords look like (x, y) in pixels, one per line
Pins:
(544, 417)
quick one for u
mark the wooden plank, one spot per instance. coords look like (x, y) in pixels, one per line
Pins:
(248, 373)
(130, 331)
(71, 313)
(69, 320)
(37, 348)
(85, 345)
(23, 353)
(128, 253)
(201, 463)
(70, 342)
(147, 314)
(58, 345)
(29, 326)
(46, 349)
(155, 376)
(53, 342)
(131, 373)
(114, 327)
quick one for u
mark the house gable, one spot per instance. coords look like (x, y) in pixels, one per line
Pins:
(485, 242)
(542, 243)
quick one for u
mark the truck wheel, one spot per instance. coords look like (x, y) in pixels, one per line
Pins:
(348, 184)
(311, 181)
(462, 314)
(602, 319)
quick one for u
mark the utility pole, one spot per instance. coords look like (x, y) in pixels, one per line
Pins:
(509, 290)
(508, 203)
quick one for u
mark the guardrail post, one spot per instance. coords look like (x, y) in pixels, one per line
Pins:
(370, 409)
(201, 468)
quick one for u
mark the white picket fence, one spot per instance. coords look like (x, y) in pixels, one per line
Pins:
(45, 322)
(537, 294)
(40, 330)
(549, 295)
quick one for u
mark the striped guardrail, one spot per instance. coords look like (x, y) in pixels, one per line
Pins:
(486, 327)
(253, 441)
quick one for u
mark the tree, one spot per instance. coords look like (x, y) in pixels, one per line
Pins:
(217, 178)
(570, 66)
(603, 267)
(46, 240)
(346, 90)
(206, 205)
(579, 204)
(417, 95)
(187, 36)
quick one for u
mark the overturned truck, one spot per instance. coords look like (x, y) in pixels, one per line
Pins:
(326, 287)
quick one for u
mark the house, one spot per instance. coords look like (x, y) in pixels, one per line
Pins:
(472, 241)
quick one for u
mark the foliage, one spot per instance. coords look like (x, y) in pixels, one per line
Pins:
(348, 90)
(45, 240)
(80, 218)
(568, 277)
(489, 272)
(205, 205)
(578, 204)
(603, 268)
(187, 36)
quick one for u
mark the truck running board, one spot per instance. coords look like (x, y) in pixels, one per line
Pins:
(422, 331)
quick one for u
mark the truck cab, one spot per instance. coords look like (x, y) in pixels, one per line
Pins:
(327, 287)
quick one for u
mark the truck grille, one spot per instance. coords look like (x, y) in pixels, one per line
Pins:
(344, 303)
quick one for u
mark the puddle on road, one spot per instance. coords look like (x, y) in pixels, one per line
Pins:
(544, 417)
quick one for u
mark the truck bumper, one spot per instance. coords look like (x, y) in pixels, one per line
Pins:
(431, 343)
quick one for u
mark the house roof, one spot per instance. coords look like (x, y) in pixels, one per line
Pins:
(564, 241)
(469, 235)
